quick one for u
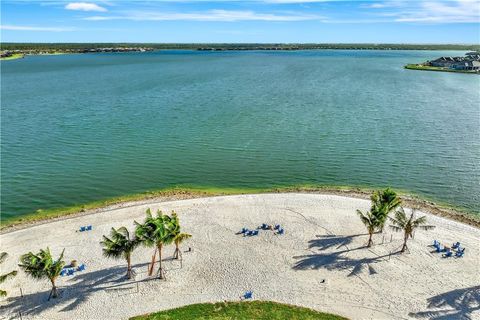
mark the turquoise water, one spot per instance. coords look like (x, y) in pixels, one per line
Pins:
(78, 128)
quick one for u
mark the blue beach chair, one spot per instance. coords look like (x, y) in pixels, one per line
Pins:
(277, 226)
(456, 245)
(255, 233)
(281, 231)
(439, 248)
(244, 230)
(63, 272)
(436, 243)
(81, 267)
(88, 228)
(460, 253)
(82, 229)
(447, 254)
(248, 295)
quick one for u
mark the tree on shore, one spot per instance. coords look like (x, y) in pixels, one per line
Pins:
(120, 246)
(408, 225)
(179, 237)
(371, 222)
(156, 232)
(383, 203)
(43, 266)
(4, 277)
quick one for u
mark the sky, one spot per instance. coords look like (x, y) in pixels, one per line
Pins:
(254, 21)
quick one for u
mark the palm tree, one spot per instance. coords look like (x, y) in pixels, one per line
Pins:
(156, 231)
(371, 222)
(119, 246)
(408, 225)
(42, 265)
(384, 202)
(179, 237)
(4, 277)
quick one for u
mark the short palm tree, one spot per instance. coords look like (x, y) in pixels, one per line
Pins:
(383, 203)
(4, 277)
(120, 246)
(408, 225)
(179, 237)
(157, 232)
(371, 222)
(43, 266)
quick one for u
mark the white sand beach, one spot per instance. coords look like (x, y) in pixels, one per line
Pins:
(320, 262)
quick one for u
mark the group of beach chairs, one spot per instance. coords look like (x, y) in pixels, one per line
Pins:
(86, 228)
(455, 249)
(70, 271)
(277, 228)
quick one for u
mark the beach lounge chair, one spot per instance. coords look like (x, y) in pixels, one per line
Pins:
(82, 229)
(281, 231)
(439, 248)
(63, 272)
(436, 243)
(264, 226)
(460, 253)
(88, 228)
(456, 245)
(277, 226)
(244, 230)
(248, 295)
(447, 254)
(81, 267)
(254, 232)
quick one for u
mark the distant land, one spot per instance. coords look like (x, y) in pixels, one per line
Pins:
(33, 48)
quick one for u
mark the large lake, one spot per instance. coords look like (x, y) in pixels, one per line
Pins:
(78, 128)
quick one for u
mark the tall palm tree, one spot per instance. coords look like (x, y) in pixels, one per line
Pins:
(4, 277)
(371, 222)
(408, 225)
(120, 246)
(42, 266)
(157, 232)
(384, 202)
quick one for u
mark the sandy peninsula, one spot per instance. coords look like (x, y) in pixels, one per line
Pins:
(320, 262)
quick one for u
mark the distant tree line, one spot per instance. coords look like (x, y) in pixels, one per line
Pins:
(235, 46)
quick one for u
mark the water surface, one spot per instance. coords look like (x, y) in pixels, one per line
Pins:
(78, 128)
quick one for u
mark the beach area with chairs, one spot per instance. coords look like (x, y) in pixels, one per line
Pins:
(303, 249)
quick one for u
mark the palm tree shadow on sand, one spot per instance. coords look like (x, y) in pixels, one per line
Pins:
(337, 260)
(456, 304)
(73, 295)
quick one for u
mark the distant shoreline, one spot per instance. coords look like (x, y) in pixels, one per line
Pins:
(170, 194)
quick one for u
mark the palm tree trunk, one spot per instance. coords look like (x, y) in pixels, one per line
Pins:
(54, 292)
(370, 241)
(404, 247)
(152, 264)
(129, 267)
(161, 274)
(177, 250)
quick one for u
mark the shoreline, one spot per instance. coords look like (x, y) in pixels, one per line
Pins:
(174, 194)
(438, 69)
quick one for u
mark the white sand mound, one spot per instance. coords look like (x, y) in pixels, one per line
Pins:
(320, 263)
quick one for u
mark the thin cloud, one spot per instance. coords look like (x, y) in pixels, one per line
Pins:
(453, 11)
(211, 15)
(84, 6)
(31, 28)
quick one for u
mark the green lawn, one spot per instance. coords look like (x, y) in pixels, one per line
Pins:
(13, 57)
(430, 68)
(239, 310)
